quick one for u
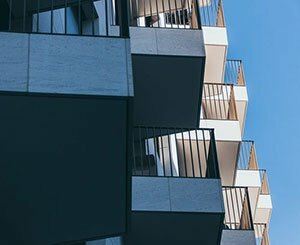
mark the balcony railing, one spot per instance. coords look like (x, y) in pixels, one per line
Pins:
(261, 234)
(247, 161)
(218, 102)
(234, 73)
(186, 14)
(264, 190)
(247, 156)
(76, 17)
(165, 13)
(211, 12)
(175, 152)
(237, 209)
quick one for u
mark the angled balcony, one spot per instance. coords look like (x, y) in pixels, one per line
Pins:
(166, 39)
(215, 39)
(264, 204)
(238, 222)
(175, 187)
(62, 73)
(261, 234)
(234, 75)
(219, 112)
(249, 175)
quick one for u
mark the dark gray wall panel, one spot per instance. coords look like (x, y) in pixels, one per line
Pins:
(62, 168)
(168, 90)
(161, 228)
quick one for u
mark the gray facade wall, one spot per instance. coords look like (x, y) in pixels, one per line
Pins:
(177, 194)
(238, 237)
(65, 64)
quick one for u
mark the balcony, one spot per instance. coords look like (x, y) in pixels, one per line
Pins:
(72, 17)
(249, 175)
(238, 223)
(62, 72)
(215, 40)
(261, 233)
(219, 112)
(83, 57)
(166, 39)
(175, 187)
(234, 74)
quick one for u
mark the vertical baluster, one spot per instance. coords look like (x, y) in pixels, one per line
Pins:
(51, 16)
(198, 153)
(205, 152)
(170, 155)
(184, 155)
(147, 149)
(191, 152)
(141, 150)
(162, 153)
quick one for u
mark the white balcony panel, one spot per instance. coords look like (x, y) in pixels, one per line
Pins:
(264, 201)
(177, 194)
(238, 237)
(215, 36)
(263, 209)
(241, 100)
(163, 41)
(248, 178)
(216, 43)
(240, 93)
(225, 130)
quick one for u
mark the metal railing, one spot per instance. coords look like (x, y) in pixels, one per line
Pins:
(247, 156)
(218, 102)
(247, 161)
(76, 17)
(165, 13)
(186, 14)
(261, 234)
(211, 12)
(237, 208)
(234, 73)
(174, 152)
(264, 190)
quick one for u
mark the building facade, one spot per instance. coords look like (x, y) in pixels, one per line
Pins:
(122, 124)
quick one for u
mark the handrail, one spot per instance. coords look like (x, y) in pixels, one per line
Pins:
(234, 73)
(218, 102)
(247, 156)
(237, 209)
(68, 17)
(211, 12)
(175, 14)
(174, 152)
(247, 160)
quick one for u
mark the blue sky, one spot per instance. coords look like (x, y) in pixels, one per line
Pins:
(266, 36)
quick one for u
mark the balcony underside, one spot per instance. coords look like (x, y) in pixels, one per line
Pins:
(168, 71)
(227, 153)
(216, 44)
(161, 228)
(55, 158)
(171, 210)
(168, 90)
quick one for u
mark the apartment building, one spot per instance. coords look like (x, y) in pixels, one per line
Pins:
(122, 123)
